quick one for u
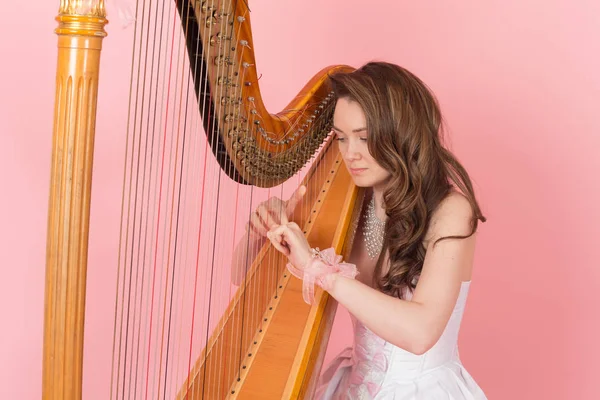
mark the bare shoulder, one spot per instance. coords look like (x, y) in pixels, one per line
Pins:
(453, 217)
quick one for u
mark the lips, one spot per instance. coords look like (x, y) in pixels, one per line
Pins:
(356, 171)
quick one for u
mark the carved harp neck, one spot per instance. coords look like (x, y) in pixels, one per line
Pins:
(253, 146)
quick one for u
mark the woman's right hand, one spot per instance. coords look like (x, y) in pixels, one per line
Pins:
(272, 212)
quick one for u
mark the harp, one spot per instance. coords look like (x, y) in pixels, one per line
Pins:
(178, 334)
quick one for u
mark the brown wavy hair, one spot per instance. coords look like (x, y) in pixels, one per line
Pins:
(404, 123)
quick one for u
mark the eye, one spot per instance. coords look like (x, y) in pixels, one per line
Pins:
(364, 139)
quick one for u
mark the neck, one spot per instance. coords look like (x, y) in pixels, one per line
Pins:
(379, 211)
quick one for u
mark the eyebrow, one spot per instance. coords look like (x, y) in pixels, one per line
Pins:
(353, 130)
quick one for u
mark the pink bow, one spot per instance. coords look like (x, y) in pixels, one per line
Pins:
(322, 263)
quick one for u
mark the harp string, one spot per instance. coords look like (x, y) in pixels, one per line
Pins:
(212, 261)
(168, 288)
(126, 243)
(238, 323)
(186, 111)
(188, 222)
(228, 12)
(117, 321)
(146, 227)
(169, 205)
(185, 72)
(181, 127)
(214, 280)
(164, 246)
(251, 246)
(198, 246)
(195, 256)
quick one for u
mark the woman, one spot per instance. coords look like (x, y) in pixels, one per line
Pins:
(413, 250)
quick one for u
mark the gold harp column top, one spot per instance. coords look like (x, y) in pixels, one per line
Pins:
(81, 18)
(91, 8)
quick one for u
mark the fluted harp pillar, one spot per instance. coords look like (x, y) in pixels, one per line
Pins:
(80, 32)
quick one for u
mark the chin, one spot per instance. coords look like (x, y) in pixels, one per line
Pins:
(362, 183)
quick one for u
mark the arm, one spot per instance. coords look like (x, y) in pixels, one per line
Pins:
(414, 325)
(417, 325)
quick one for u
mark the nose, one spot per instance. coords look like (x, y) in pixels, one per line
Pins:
(352, 152)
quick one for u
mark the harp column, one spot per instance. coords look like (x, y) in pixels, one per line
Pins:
(80, 32)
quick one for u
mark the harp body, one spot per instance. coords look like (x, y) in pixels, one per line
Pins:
(278, 359)
(279, 352)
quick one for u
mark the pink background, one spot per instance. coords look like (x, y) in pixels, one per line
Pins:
(519, 86)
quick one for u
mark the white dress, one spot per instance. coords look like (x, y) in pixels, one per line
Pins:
(375, 369)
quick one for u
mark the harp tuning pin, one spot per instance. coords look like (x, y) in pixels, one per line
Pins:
(218, 39)
(220, 60)
(223, 80)
(241, 19)
(220, 14)
(204, 6)
(244, 43)
(226, 100)
(251, 98)
(210, 21)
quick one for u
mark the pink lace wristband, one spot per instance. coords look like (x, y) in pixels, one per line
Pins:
(321, 264)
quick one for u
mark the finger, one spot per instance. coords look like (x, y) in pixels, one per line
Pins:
(295, 199)
(277, 216)
(282, 233)
(293, 226)
(257, 225)
(254, 231)
(278, 230)
(266, 217)
(277, 210)
(284, 219)
(280, 247)
(277, 238)
(270, 212)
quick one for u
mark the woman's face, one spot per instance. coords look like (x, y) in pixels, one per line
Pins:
(350, 129)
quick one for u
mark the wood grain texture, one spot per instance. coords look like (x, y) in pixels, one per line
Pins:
(79, 47)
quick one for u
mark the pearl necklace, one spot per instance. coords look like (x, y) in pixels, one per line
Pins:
(373, 231)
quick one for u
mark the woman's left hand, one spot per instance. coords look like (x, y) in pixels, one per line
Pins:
(290, 240)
